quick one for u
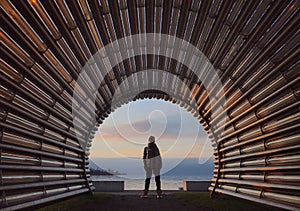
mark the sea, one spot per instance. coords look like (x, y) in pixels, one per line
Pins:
(174, 172)
(167, 182)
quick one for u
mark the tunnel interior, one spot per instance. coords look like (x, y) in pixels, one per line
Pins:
(66, 65)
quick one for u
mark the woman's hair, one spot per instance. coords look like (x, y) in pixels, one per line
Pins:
(151, 139)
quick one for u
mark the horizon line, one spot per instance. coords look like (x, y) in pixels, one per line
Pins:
(162, 157)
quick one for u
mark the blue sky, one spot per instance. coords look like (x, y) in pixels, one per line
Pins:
(125, 132)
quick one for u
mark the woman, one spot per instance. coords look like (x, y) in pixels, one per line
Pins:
(152, 164)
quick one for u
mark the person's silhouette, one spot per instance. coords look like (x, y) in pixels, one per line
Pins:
(152, 164)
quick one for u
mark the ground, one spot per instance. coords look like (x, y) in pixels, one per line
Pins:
(171, 201)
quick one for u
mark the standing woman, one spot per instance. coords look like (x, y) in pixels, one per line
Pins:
(152, 164)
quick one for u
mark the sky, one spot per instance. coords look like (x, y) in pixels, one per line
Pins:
(125, 132)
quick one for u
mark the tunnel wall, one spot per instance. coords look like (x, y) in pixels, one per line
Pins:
(254, 45)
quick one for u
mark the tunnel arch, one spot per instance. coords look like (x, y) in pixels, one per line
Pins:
(198, 75)
(254, 45)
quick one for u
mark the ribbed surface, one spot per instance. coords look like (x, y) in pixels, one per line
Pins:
(254, 45)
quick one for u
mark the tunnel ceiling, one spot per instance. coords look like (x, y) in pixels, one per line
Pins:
(250, 47)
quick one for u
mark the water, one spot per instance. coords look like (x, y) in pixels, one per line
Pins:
(168, 182)
(174, 172)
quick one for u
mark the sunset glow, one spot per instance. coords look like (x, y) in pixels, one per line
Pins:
(125, 132)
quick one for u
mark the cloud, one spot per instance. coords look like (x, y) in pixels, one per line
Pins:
(173, 129)
(141, 126)
(127, 130)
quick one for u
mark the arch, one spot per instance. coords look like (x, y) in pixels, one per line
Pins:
(253, 46)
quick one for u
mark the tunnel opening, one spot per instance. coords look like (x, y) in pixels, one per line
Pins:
(185, 148)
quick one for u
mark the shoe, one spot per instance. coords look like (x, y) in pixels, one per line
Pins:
(144, 194)
(159, 194)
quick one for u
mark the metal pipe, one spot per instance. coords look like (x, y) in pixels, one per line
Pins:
(40, 184)
(259, 200)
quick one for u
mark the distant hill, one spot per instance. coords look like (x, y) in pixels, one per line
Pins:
(96, 170)
(191, 167)
(179, 167)
(93, 165)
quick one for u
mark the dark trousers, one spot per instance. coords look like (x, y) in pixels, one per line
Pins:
(157, 181)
